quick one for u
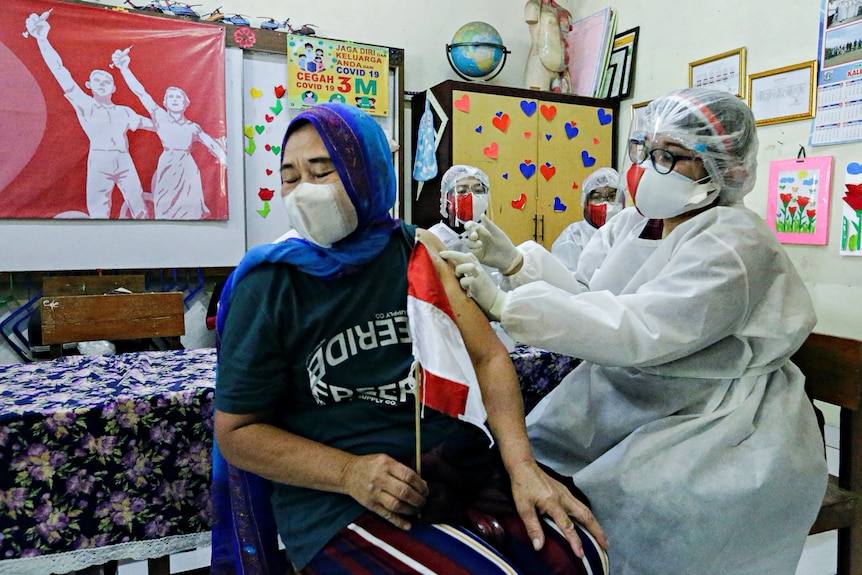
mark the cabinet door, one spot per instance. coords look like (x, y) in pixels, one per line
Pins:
(498, 135)
(574, 140)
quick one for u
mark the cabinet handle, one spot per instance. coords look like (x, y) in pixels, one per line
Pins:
(535, 227)
(542, 239)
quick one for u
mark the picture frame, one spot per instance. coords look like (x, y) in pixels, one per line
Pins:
(784, 94)
(637, 105)
(621, 64)
(797, 204)
(725, 71)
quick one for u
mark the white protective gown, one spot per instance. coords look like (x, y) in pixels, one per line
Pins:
(686, 425)
(571, 241)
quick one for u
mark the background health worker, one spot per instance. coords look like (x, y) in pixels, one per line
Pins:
(686, 424)
(601, 200)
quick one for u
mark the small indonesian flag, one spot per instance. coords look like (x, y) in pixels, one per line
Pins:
(449, 382)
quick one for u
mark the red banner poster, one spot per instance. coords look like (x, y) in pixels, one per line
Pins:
(106, 114)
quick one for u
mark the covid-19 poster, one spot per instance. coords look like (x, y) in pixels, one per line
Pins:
(326, 70)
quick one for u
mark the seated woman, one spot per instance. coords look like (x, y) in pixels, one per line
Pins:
(314, 389)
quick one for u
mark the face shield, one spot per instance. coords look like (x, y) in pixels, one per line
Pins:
(716, 126)
(464, 194)
(601, 197)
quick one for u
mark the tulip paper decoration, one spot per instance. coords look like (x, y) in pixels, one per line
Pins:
(798, 200)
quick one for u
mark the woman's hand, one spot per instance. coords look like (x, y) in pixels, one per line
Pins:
(537, 493)
(385, 486)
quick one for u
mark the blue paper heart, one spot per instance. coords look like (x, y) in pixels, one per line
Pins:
(478, 129)
(499, 114)
(559, 206)
(506, 176)
(588, 160)
(548, 137)
(529, 108)
(571, 131)
(604, 117)
(529, 169)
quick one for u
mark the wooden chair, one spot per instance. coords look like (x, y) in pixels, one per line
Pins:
(833, 374)
(81, 308)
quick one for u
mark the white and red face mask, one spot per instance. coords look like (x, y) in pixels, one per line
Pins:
(466, 207)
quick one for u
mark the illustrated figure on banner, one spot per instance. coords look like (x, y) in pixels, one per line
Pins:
(547, 66)
(106, 125)
(176, 187)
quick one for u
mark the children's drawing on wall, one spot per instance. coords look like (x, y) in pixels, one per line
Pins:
(97, 144)
(798, 201)
(851, 211)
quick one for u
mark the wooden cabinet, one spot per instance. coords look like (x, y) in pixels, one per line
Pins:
(535, 146)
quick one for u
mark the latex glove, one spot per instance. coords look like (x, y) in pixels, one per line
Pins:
(491, 245)
(477, 283)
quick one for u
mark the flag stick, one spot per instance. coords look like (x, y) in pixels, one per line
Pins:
(417, 376)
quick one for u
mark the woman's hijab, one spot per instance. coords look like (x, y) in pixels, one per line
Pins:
(360, 152)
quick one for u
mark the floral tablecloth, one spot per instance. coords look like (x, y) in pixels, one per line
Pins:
(104, 450)
(539, 371)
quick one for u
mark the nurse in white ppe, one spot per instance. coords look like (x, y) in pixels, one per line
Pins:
(464, 197)
(686, 424)
(602, 200)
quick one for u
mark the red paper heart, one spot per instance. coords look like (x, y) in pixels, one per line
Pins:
(269, 118)
(547, 171)
(462, 103)
(528, 161)
(267, 147)
(501, 122)
(520, 202)
(548, 112)
(268, 172)
(596, 141)
(528, 134)
(491, 151)
(574, 185)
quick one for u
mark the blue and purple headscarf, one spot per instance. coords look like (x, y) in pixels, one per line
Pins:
(360, 152)
(243, 533)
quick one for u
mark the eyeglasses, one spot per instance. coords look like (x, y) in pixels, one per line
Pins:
(662, 160)
(600, 195)
(464, 189)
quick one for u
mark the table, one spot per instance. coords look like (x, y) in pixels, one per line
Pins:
(539, 371)
(104, 458)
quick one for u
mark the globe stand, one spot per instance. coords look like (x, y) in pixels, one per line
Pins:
(486, 78)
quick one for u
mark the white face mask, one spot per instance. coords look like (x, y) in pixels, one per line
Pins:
(321, 213)
(667, 195)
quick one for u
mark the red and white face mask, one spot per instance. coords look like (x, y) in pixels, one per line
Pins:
(633, 178)
(466, 207)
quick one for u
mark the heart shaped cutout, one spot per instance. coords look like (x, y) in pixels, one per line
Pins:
(587, 159)
(491, 151)
(548, 111)
(528, 134)
(462, 103)
(277, 150)
(268, 172)
(596, 141)
(478, 129)
(529, 108)
(501, 122)
(527, 169)
(604, 117)
(548, 171)
(520, 202)
(548, 137)
(259, 128)
(559, 206)
(571, 130)
(269, 118)
(255, 93)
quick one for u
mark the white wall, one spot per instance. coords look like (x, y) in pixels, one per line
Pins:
(775, 34)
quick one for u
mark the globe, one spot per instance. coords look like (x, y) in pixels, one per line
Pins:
(477, 51)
